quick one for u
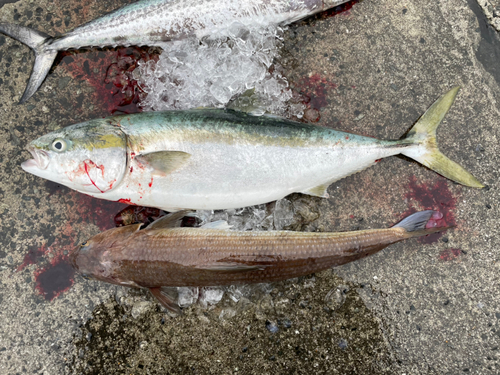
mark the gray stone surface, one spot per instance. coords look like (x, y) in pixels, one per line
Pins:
(415, 308)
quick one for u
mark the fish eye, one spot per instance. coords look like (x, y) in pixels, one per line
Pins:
(84, 243)
(85, 276)
(59, 145)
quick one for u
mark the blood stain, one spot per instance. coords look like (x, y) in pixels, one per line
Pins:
(344, 9)
(450, 254)
(92, 210)
(315, 88)
(436, 197)
(109, 72)
(55, 278)
(125, 200)
(33, 256)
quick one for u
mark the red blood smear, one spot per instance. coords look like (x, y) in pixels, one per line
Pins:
(435, 220)
(126, 201)
(55, 278)
(81, 207)
(34, 255)
(109, 72)
(450, 254)
(436, 197)
(341, 9)
(315, 88)
(96, 211)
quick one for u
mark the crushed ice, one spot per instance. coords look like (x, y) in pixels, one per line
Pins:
(237, 69)
(273, 216)
(211, 72)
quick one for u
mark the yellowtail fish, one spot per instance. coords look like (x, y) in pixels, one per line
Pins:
(153, 22)
(221, 159)
(164, 255)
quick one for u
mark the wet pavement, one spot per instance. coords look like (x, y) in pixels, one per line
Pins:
(426, 306)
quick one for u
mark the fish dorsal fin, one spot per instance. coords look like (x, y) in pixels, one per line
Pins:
(163, 162)
(127, 229)
(167, 297)
(219, 224)
(318, 191)
(172, 220)
(231, 267)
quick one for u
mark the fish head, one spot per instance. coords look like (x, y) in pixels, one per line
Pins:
(99, 257)
(90, 157)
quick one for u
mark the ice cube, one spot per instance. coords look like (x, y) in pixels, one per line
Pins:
(187, 296)
(210, 296)
(194, 73)
(283, 214)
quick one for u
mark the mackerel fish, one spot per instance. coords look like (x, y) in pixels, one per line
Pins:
(219, 159)
(164, 255)
(153, 22)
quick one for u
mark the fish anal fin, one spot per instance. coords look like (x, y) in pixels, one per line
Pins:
(163, 162)
(166, 299)
(318, 191)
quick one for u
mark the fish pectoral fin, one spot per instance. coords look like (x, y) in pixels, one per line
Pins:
(318, 191)
(231, 267)
(167, 298)
(219, 224)
(163, 162)
(173, 220)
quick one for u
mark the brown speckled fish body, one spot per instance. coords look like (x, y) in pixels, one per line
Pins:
(157, 257)
(205, 257)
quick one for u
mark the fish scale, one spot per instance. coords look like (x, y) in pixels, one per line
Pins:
(213, 159)
(168, 251)
(164, 255)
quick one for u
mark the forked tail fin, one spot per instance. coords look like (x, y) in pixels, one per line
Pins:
(415, 225)
(423, 134)
(43, 59)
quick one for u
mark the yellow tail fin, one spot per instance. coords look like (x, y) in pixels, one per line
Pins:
(423, 134)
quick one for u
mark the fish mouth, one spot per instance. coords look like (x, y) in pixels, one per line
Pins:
(40, 159)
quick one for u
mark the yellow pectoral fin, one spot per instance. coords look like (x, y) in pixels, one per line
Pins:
(163, 162)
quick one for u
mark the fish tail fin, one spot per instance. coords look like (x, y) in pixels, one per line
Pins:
(415, 224)
(423, 135)
(43, 59)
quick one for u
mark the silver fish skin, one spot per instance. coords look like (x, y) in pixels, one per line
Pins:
(164, 255)
(216, 159)
(153, 22)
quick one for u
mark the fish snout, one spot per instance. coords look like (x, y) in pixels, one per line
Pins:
(40, 159)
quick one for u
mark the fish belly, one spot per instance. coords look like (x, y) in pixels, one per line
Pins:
(231, 176)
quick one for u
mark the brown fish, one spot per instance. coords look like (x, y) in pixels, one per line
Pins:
(164, 255)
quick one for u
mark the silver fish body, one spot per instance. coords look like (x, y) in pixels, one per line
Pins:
(216, 159)
(152, 22)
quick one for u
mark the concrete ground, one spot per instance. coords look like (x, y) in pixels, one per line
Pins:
(419, 307)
